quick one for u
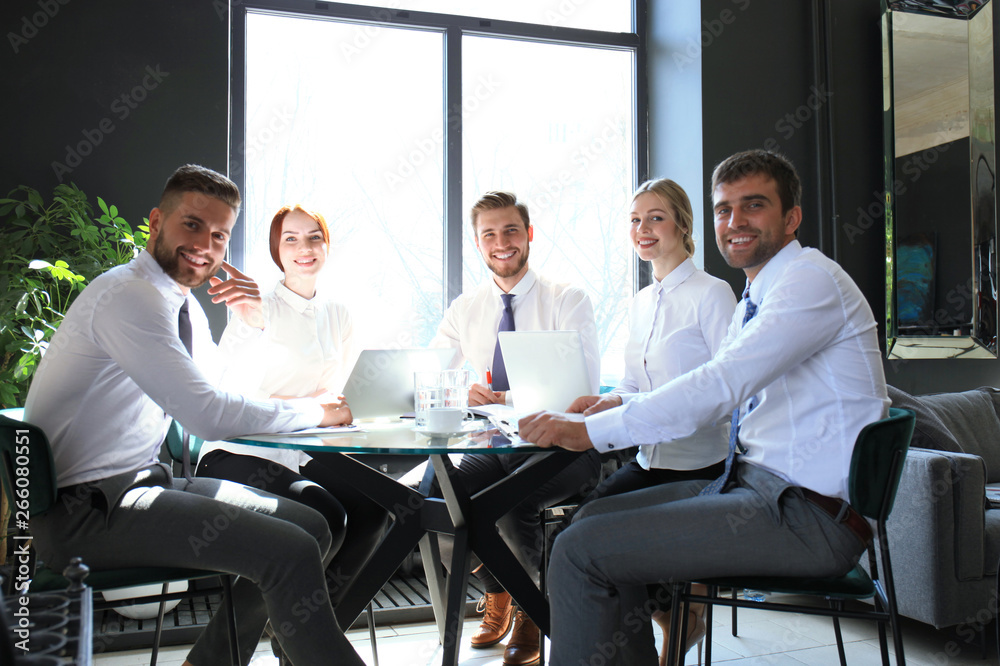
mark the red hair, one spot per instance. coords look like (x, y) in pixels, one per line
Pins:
(279, 219)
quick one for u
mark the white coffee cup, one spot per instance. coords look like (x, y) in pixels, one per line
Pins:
(444, 419)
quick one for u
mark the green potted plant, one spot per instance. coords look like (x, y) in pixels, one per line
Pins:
(48, 254)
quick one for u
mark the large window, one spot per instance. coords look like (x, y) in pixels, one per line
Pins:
(393, 122)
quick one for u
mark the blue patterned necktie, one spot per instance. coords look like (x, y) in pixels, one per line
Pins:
(715, 487)
(499, 373)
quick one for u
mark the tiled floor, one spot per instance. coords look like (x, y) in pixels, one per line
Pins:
(778, 639)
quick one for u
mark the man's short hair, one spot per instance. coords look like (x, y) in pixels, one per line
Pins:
(773, 165)
(196, 178)
(496, 201)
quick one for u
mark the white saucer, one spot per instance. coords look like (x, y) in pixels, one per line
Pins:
(430, 433)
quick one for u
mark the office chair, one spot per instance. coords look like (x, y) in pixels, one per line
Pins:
(876, 466)
(25, 454)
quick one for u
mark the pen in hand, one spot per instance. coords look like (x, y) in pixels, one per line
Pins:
(489, 379)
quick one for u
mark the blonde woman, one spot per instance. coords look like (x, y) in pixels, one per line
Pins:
(677, 324)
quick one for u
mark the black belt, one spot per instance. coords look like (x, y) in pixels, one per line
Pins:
(842, 512)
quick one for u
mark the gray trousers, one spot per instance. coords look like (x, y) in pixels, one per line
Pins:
(277, 547)
(601, 565)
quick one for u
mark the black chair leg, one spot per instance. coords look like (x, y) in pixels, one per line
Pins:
(159, 625)
(675, 608)
(230, 609)
(838, 605)
(713, 592)
(734, 612)
(371, 632)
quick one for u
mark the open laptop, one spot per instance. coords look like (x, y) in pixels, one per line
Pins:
(381, 383)
(547, 370)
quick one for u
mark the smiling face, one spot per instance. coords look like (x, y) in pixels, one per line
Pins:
(750, 226)
(655, 234)
(502, 237)
(189, 242)
(302, 248)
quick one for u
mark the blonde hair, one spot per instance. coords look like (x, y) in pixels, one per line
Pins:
(673, 195)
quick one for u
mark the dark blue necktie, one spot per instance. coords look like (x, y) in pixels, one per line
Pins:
(715, 487)
(499, 373)
(184, 328)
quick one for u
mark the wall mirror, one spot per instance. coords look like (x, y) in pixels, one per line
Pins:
(940, 179)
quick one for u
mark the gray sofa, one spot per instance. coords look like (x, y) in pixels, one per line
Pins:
(944, 538)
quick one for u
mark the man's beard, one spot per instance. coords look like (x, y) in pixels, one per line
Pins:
(511, 271)
(171, 265)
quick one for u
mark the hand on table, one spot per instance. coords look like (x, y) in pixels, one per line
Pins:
(240, 294)
(591, 404)
(336, 413)
(480, 395)
(549, 429)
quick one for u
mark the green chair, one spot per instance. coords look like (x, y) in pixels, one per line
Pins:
(25, 454)
(876, 466)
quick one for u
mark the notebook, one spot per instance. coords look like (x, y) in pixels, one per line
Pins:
(381, 383)
(547, 370)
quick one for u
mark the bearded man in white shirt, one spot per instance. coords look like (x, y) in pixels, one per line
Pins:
(801, 363)
(503, 233)
(120, 366)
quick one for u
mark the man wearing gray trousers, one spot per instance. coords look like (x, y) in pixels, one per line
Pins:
(798, 375)
(120, 366)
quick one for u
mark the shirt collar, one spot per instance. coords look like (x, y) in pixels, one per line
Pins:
(675, 277)
(166, 285)
(522, 287)
(771, 270)
(298, 303)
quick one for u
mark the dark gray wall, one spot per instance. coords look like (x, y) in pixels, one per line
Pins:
(113, 96)
(764, 83)
(725, 75)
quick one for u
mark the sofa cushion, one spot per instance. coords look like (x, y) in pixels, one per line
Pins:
(971, 419)
(929, 432)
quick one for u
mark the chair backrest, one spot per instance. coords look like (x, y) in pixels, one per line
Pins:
(28, 470)
(877, 462)
(175, 443)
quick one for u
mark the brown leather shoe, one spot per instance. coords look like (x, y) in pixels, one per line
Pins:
(497, 620)
(522, 648)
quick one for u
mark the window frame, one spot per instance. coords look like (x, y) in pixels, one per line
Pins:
(452, 28)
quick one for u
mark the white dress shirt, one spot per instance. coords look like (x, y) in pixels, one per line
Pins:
(116, 372)
(472, 320)
(811, 358)
(677, 324)
(306, 346)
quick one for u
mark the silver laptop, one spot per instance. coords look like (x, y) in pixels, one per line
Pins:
(381, 383)
(546, 369)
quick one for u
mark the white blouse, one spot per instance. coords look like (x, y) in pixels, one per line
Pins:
(306, 346)
(677, 324)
